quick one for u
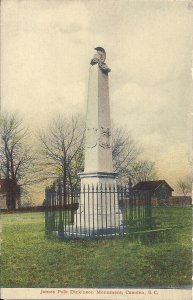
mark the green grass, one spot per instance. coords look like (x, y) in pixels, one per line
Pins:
(31, 260)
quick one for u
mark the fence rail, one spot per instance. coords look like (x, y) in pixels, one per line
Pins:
(96, 211)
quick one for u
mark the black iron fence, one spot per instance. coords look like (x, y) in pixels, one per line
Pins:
(96, 211)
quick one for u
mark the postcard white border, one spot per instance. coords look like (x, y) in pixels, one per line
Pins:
(88, 294)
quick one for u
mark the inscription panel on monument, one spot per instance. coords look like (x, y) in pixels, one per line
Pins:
(92, 137)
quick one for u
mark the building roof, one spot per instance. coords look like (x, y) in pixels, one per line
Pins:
(150, 185)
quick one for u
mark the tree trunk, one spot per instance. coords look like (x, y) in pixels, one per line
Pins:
(19, 201)
(11, 200)
(64, 181)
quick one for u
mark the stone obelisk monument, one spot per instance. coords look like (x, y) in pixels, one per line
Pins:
(98, 208)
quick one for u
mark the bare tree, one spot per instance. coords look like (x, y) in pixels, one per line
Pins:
(143, 170)
(16, 157)
(62, 151)
(184, 186)
(125, 150)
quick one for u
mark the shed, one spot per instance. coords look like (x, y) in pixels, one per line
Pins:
(159, 189)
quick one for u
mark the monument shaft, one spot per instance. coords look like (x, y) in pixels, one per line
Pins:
(98, 151)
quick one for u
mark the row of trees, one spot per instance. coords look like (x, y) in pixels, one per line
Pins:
(59, 153)
(16, 158)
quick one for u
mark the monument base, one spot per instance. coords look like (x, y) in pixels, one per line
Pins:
(80, 233)
(98, 211)
(98, 178)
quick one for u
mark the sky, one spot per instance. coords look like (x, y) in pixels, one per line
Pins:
(46, 50)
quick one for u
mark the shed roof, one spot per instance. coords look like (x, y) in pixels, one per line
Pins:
(150, 185)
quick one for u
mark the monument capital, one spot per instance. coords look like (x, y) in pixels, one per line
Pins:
(99, 58)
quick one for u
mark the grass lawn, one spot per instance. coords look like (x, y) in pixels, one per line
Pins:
(31, 260)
